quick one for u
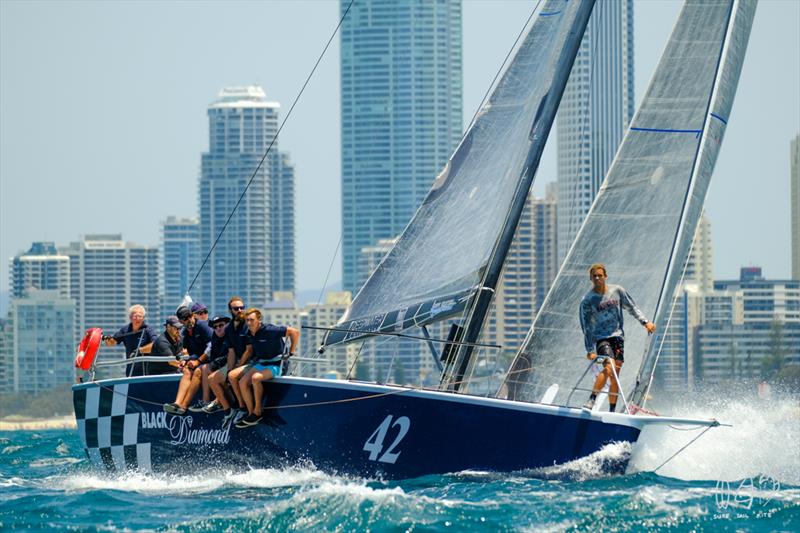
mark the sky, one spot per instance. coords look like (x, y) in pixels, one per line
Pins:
(103, 116)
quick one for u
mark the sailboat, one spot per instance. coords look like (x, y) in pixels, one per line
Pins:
(444, 269)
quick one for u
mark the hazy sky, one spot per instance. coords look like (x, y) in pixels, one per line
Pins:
(103, 116)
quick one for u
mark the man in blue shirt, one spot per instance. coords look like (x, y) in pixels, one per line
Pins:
(604, 337)
(197, 344)
(235, 333)
(265, 347)
(137, 337)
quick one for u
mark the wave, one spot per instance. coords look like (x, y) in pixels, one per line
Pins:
(761, 442)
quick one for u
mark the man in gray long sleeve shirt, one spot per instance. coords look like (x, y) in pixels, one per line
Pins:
(601, 321)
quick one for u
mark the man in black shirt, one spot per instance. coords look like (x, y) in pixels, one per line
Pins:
(264, 353)
(168, 344)
(235, 333)
(197, 344)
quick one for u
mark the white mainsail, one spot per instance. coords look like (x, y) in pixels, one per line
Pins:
(643, 220)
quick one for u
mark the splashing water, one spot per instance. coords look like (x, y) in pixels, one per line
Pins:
(763, 440)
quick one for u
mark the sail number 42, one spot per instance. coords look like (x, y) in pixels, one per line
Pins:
(374, 444)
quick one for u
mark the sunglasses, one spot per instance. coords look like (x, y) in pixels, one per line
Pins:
(237, 308)
(219, 326)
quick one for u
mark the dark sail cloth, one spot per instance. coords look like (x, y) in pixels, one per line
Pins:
(164, 346)
(130, 340)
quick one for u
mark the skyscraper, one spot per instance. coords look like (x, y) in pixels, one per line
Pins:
(595, 110)
(107, 276)
(401, 115)
(43, 340)
(795, 164)
(255, 255)
(180, 258)
(41, 267)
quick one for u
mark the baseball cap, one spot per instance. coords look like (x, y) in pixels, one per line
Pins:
(183, 312)
(199, 307)
(172, 320)
(218, 320)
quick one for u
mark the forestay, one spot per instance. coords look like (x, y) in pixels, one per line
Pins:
(643, 220)
(436, 266)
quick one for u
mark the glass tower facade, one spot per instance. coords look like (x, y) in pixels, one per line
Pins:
(180, 253)
(255, 255)
(401, 115)
(595, 111)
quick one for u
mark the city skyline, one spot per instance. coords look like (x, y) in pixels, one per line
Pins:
(97, 147)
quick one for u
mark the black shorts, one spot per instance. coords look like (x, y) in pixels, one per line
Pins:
(611, 347)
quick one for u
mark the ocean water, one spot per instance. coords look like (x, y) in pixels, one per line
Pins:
(744, 478)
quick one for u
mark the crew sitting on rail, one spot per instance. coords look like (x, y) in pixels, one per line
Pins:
(235, 333)
(216, 370)
(265, 347)
(137, 337)
(197, 344)
(168, 344)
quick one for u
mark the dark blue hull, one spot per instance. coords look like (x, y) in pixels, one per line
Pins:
(343, 427)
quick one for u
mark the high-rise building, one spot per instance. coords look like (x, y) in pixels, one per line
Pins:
(44, 343)
(401, 102)
(180, 258)
(107, 276)
(595, 111)
(6, 356)
(41, 267)
(700, 266)
(250, 258)
(795, 192)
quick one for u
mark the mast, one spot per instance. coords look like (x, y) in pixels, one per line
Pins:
(542, 123)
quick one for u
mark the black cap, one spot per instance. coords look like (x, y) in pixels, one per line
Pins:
(183, 312)
(218, 320)
(172, 320)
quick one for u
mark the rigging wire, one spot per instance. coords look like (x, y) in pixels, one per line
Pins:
(269, 147)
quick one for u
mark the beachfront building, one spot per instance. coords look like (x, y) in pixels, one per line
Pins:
(107, 276)
(43, 343)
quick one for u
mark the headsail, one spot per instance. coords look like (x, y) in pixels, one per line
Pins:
(643, 220)
(435, 269)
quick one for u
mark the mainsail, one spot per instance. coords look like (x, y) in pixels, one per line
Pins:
(435, 269)
(643, 220)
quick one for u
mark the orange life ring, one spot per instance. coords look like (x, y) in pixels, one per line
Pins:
(88, 347)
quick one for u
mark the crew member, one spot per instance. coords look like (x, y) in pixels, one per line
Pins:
(168, 344)
(235, 332)
(265, 345)
(197, 344)
(216, 370)
(137, 337)
(604, 337)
